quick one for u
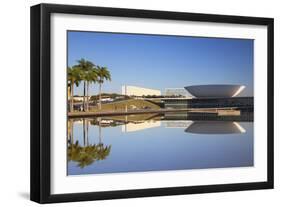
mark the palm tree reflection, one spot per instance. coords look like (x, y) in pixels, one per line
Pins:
(88, 153)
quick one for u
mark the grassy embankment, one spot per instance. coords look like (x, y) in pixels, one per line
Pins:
(131, 104)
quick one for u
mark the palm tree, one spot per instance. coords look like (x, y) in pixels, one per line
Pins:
(85, 66)
(73, 77)
(90, 77)
(103, 74)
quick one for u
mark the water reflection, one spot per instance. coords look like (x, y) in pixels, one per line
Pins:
(136, 143)
(87, 153)
(132, 127)
(215, 127)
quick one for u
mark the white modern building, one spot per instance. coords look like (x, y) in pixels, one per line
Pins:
(79, 98)
(212, 96)
(139, 91)
(215, 91)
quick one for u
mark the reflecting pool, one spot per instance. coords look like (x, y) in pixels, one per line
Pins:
(152, 142)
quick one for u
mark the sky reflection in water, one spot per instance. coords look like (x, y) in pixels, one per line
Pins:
(158, 145)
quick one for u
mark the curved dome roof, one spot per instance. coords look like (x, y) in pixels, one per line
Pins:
(215, 91)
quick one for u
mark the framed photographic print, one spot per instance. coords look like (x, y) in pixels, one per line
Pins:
(133, 103)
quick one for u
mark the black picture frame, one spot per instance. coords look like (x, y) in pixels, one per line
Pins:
(41, 99)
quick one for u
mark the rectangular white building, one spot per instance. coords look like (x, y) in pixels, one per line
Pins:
(139, 91)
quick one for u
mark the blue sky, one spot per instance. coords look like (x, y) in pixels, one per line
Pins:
(159, 62)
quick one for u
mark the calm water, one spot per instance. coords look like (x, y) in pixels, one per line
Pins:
(153, 143)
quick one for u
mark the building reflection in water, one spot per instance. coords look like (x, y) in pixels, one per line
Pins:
(85, 152)
(206, 127)
(132, 127)
(215, 127)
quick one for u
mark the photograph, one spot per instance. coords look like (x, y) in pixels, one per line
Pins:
(153, 102)
(129, 103)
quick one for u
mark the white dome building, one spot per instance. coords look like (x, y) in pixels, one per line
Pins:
(215, 91)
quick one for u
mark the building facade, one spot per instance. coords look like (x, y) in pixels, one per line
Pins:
(244, 103)
(176, 92)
